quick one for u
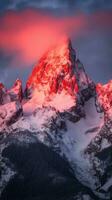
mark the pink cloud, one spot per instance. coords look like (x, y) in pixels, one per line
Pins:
(30, 33)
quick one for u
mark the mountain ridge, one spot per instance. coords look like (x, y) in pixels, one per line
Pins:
(63, 109)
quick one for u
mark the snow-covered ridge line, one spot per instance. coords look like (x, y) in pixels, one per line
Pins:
(63, 109)
(59, 80)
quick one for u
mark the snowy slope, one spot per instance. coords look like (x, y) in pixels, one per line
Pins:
(72, 142)
(64, 110)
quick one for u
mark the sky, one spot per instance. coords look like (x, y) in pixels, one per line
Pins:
(29, 27)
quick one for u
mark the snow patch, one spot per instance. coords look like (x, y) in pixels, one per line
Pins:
(75, 141)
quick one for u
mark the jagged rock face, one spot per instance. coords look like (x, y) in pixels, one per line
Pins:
(10, 106)
(4, 97)
(64, 112)
(55, 71)
(9, 113)
(2, 90)
(104, 93)
(60, 73)
(16, 93)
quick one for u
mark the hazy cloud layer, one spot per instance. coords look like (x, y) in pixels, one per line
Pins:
(26, 35)
(28, 28)
(81, 5)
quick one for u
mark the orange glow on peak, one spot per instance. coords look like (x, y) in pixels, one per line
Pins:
(104, 93)
(54, 72)
(53, 81)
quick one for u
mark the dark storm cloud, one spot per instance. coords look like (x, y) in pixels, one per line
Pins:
(72, 5)
(4, 4)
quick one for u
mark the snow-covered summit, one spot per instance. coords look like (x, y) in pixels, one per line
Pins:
(59, 81)
(64, 110)
(58, 78)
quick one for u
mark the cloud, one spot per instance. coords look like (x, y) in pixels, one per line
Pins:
(82, 5)
(25, 35)
(28, 34)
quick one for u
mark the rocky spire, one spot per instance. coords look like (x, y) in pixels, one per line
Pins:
(58, 71)
(16, 92)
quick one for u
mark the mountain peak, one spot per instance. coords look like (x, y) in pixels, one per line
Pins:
(65, 43)
(55, 69)
(104, 93)
(58, 73)
(15, 92)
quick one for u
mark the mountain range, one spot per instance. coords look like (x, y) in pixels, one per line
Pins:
(56, 135)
